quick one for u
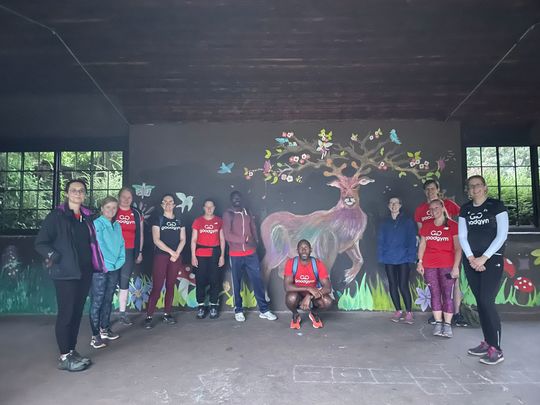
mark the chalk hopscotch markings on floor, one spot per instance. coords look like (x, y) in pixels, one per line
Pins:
(432, 379)
(217, 387)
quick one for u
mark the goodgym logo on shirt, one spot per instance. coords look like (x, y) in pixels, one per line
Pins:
(428, 216)
(125, 219)
(303, 279)
(210, 228)
(170, 225)
(437, 236)
(476, 219)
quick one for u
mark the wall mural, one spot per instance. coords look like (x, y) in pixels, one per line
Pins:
(336, 232)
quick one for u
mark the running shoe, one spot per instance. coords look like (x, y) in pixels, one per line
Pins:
(492, 357)
(480, 350)
(315, 320)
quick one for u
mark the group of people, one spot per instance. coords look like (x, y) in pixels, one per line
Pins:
(88, 254)
(476, 241)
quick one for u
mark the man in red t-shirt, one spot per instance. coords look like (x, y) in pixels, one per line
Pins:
(307, 288)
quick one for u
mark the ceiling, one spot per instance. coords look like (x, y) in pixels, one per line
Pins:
(225, 60)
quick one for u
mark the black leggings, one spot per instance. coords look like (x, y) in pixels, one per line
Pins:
(70, 298)
(208, 274)
(398, 278)
(485, 285)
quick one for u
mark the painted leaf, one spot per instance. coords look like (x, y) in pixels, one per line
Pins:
(342, 153)
(437, 174)
(417, 154)
(410, 154)
(279, 164)
(402, 174)
(429, 174)
(279, 150)
(382, 151)
(267, 154)
(268, 178)
(275, 180)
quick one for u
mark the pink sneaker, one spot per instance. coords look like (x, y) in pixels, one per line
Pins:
(409, 318)
(398, 315)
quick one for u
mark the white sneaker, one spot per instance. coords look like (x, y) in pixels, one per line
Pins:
(239, 316)
(268, 315)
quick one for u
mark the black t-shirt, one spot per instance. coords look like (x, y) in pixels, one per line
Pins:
(482, 224)
(169, 232)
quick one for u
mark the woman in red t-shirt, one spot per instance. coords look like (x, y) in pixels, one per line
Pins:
(207, 256)
(131, 221)
(439, 255)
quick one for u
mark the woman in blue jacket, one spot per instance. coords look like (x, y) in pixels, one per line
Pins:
(396, 248)
(111, 243)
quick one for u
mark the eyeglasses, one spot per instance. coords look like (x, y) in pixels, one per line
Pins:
(77, 191)
(473, 186)
(167, 203)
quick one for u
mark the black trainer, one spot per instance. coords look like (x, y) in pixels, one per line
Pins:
(214, 313)
(148, 323)
(459, 320)
(201, 312)
(432, 320)
(80, 358)
(169, 319)
(70, 363)
(124, 320)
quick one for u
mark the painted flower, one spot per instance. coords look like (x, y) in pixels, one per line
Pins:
(139, 292)
(304, 156)
(299, 179)
(411, 163)
(424, 298)
(378, 133)
(290, 178)
(267, 167)
(371, 137)
(354, 137)
(146, 211)
(289, 134)
(295, 159)
(441, 164)
(421, 165)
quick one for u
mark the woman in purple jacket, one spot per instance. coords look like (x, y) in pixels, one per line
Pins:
(396, 248)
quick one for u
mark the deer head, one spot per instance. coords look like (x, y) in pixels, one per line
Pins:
(348, 186)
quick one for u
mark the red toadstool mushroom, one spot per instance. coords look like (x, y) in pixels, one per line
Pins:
(523, 284)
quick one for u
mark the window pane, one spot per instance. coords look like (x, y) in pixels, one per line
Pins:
(506, 156)
(117, 160)
(524, 176)
(98, 196)
(493, 192)
(115, 180)
(84, 160)
(3, 161)
(490, 174)
(9, 219)
(27, 219)
(473, 157)
(68, 160)
(11, 200)
(46, 161)
(31, 160)
(523, 156)
(101, 180)
(45, 200)
(30, 180)
(471, 171)
(508, 176)
(14, 161)
(489, 156)
(29, 199)
(525, 206)
(14, 180)
(45, 180)
(41, 214)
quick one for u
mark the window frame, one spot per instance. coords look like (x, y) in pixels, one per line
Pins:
(534, 151)
(57, 146)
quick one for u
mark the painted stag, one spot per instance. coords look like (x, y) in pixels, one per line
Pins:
(331, 232)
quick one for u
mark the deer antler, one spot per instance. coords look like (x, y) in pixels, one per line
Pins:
(336, 171)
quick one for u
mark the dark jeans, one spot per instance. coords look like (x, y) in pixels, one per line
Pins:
(70, 298)
(101, 297)
(127, 269)
(208, 274)
(485, 285)
(251, 265)
(398, 281)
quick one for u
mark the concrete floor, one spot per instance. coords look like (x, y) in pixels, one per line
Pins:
(358, 358)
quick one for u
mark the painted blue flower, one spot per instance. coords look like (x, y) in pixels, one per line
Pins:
(424, 298)
(139, 291)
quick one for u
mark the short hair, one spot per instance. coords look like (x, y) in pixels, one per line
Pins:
(167, 195)
(476, 176)
(234, 193)
(432, 181)
(70, 182)
(209, 200)
(397, 198)
(107, 200)
(303, 241)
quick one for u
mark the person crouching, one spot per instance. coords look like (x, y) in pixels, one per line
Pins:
(307, 286)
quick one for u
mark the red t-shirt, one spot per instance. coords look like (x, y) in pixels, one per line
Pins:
(126, 219)
(305, 276)
(439, 251)
(207, 234)
(422, 214)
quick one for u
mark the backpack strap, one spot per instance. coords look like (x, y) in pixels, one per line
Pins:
(313, 266)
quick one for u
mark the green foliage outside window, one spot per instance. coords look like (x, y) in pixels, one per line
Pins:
(27, 182)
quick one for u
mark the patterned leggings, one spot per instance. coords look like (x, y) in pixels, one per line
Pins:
(440, 287)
